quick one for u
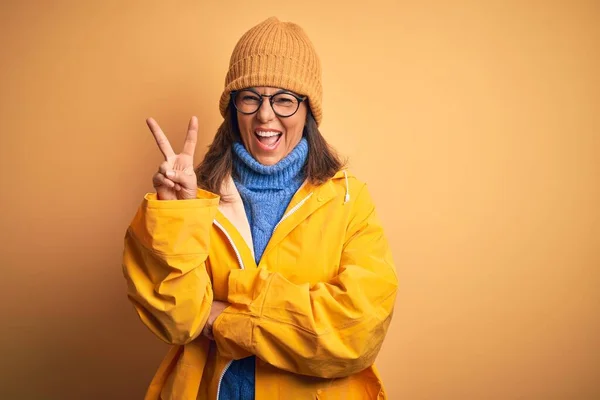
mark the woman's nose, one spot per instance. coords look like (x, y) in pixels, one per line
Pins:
(265, 113)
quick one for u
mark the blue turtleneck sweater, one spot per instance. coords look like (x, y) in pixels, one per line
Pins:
(266, 192)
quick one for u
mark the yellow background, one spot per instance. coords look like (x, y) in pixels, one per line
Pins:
(475, 124)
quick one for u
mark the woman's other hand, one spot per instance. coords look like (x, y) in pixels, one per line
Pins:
(216, 310)
(175, 179)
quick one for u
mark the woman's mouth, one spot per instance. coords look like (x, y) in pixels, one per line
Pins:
(268, 139)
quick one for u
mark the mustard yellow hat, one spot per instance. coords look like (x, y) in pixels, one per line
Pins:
(277, 54)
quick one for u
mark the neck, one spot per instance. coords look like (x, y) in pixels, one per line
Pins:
(283, 175)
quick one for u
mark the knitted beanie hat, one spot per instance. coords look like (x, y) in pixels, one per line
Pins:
(276, 54)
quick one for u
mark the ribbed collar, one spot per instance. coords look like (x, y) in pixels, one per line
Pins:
(283, 175)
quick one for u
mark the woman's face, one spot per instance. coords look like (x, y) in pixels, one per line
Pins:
(266, 136)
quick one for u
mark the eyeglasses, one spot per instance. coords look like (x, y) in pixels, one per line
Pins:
(284, 103)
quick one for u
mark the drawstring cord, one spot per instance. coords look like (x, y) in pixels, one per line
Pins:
(347, 197)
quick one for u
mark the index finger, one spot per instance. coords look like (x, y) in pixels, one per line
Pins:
(161, 139)
(189, 146)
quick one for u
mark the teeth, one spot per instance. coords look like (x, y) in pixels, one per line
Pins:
(267, 134)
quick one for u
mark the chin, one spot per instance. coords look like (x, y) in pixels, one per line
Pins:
(268, 161)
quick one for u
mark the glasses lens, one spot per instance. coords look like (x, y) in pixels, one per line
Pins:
(247, 102)
(285, 104)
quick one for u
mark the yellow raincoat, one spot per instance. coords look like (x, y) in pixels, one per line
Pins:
(314, 311)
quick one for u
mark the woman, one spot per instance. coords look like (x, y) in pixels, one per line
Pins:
(266, 268)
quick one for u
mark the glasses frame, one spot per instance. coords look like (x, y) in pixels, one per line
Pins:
(270, 97)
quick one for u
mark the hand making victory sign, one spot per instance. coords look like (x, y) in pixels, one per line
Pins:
(175, 179)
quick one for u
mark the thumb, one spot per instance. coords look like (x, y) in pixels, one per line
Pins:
(180, 176)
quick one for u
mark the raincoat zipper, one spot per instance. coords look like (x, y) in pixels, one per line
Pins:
(293, 210)
(221, 378)
(237, 253)
(239, 258)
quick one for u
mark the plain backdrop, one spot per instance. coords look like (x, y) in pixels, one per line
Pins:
(476, 125)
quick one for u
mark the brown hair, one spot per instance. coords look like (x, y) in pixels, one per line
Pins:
(322, 163)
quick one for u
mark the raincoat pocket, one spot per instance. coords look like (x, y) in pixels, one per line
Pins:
(362, 386)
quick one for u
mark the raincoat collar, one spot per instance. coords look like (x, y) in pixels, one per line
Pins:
(308, 199)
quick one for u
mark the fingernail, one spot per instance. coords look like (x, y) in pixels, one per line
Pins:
(170, 174)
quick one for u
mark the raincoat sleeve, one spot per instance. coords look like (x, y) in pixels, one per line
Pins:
(329, 329)
(166, 247)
